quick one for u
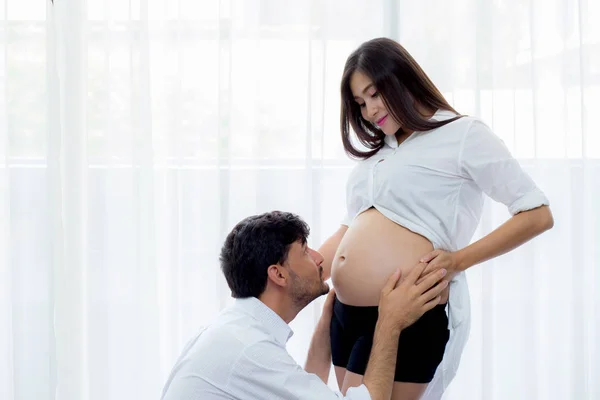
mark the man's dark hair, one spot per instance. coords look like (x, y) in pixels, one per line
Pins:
(253, 245)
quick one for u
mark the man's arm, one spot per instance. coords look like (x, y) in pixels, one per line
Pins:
(379, 376)
(267, 371)
(318, 361)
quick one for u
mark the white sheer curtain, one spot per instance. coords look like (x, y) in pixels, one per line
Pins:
(135, 133)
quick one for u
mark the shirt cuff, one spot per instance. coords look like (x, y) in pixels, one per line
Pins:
(346, 220)
(529, 201)
(358, 393)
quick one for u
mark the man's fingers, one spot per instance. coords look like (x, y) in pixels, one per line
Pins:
(430, 280)
(434, 291)
(415, 273)
(330, 296)
(392, 281)
(424, 274)
(431, 304)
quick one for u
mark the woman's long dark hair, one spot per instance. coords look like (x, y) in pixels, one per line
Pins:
(402, 84)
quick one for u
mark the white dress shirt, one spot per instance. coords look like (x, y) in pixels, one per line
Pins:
(433, 184)
(243, 356)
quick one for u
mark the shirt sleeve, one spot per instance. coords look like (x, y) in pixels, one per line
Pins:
(267, 371)
(346, 220)
(486, 159)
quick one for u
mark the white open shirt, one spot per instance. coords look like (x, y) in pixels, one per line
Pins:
(242, 355)
(433, 184)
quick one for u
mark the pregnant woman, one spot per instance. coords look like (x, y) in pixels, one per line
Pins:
(416, 195)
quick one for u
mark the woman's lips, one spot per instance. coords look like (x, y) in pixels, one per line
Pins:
(382, 121)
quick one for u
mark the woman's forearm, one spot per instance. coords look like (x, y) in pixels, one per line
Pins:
(329, 248)
(513, 233)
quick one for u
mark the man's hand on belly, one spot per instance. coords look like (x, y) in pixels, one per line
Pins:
(403, 301)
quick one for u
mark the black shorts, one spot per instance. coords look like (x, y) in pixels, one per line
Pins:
(420, 348)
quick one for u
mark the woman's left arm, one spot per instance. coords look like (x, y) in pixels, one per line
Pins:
(517, 230)
(486, 160)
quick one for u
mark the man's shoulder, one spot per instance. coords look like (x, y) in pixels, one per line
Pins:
(220, 345)
(212, 356)
(242, 338)
(233, 330)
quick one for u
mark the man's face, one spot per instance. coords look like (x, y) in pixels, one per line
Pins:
(306, 274)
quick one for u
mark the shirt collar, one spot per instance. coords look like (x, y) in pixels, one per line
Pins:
(440, 115)
(391, 141)
(265, 315)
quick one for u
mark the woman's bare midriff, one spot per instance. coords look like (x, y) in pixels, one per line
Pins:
(370, 251)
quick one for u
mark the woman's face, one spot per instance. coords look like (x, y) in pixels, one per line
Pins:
(371, 103)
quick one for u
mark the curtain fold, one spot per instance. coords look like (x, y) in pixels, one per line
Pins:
(67, 184)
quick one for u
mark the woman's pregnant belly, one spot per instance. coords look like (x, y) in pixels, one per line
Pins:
(370, 251)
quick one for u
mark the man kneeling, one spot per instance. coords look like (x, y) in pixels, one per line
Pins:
(273, 275)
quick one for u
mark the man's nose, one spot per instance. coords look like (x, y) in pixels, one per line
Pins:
(317, 257)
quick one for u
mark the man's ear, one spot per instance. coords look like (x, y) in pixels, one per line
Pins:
(278, 275)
